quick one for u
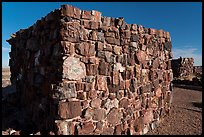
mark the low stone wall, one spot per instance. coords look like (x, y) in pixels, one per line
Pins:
(78, 72)
(197, 70)
(182, 68)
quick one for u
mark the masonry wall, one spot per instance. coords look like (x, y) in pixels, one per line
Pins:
(182, 68)
(197, 70)
(78, 72)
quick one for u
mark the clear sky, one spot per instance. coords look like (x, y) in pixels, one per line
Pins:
(182, 19)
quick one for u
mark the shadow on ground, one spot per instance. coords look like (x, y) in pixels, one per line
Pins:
(186, 84)
(13, 116)
(197, 104)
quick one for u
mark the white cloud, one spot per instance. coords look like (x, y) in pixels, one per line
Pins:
(5, 49)
(188, 52)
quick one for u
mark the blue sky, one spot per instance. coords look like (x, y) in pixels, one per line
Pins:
(182, 19)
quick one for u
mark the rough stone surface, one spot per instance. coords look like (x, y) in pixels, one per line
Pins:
(114, 116)
(96, 103)
(182, 68)
(70, 109)
(90, 74)
(86, 129)
(95, 114)
(73, 69)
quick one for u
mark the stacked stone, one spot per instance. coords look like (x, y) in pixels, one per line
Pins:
(182, 68)
(78, 72)
(197, 70)
(35, 63)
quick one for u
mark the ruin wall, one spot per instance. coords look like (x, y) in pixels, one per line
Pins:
(78, 72)
(182, 68)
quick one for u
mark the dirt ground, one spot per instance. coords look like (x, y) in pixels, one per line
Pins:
(185, 116)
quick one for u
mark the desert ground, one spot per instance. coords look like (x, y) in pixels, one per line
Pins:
(185, 116)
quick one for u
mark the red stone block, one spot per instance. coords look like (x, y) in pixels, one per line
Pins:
(91, 69)
(108, 47)
(108, 131)
(68, 47)
(93, 25)
(101, 83)
(90, 24)
(92, 94)
(141, 56)
(127, 84)
(111, 40)
(86, 129)
(110, 34)
(117, 50)
(118, 130)
(88, 87)
(101, 54)
(114, 116)
(134, 27)
(93, 35)
(79, 86)
(96, 16)
(115, 77)
(152, 31)
(122, 85)
(96, 103)
(158, 92)
(131, 59)
(85, 48)
(138, 124)
(140, 29)
(68, 10)
(112, 96)
(85, 103)
(99, 126)
(103, 68)
(69, 109)
(81, 95)
(99, 46)
(125, 34)
(135, 38)
(99, 114)
(106, 21)
(160, 33)
(123, 103)
(93, 60)
(125, 49)
(155, 63)
(86, 15)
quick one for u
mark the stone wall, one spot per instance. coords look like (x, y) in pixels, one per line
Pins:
(197, 70)
(182, 68)
(78, 72)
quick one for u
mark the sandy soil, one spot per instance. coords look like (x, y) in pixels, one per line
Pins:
(186, 114)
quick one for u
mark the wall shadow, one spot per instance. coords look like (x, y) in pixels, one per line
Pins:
(13, 115)
(186, 84)
(197, 104)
